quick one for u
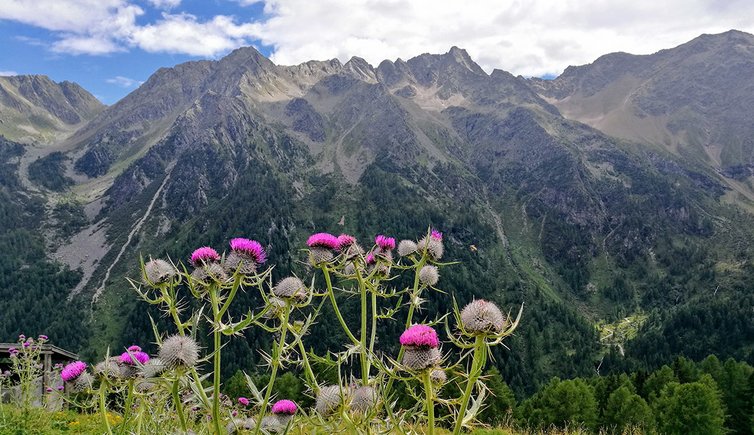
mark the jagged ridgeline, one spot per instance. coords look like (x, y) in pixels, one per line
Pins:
(585, 223)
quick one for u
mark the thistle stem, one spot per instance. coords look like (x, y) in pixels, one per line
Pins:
(331, 294)
(430, 401)
(275, 363)
(178, 404)
(103, 407)
(216, 373)
(363, 337)
(479, 359)
(308, 372)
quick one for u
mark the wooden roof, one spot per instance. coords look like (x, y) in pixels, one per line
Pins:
(46, 349)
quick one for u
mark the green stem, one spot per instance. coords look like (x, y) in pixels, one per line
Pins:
(179, 404)
(216, 373)
(308, 372)
(363, 337)
(331, 294)
(103, 407)
(233, 290)
(373, 338)
(430, 397)
(275, 363)
(479, 359)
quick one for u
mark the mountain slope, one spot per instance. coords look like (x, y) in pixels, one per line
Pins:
(539, 208)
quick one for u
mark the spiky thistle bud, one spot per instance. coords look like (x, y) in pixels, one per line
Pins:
(158, 272)
(433, 245)
(438, 376)
(109, 368)
(429, 275)
(153, 368)
(318, 255)
(481, 316)
(276, 307)
(328, 400)
(205, 274)
(179, 351)
(406, 247)
(363, 399)
(291, 288)
(81, 383)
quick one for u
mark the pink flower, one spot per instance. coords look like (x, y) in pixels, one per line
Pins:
(344, 241)
(27, 344)
(420, 335)
(250, 248)
(385, 243)
(203, 255)
(132, 357)
(73, 371)
(61, 388)
(370, 258)
(436, 235)
(134, 348)
(322, 240)
(43, 337)
(243, 401)
(284, 407)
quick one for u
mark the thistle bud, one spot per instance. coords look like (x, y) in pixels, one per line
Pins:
(406, 247)
(158, 272)
(292, 288)
(429, 275)
(363, 399)
(179, 351)
(328, 400)
(481, 316)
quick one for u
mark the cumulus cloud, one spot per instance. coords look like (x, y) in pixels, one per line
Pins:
(124, 82)
(528, 37)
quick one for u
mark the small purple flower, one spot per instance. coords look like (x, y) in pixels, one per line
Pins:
(48, 389)
(13, 351)
(134, 348)
(243, 401)
(436, 235)
(250, 248)
(385, 243)
(204, 255)
(234, 413)
(43, 337)
(344, 241)
(73, 371)
(322, 240)
(370, 258)
(287, 407)
(132, 357)
(21, 337)
(61, 388)
(420, 335)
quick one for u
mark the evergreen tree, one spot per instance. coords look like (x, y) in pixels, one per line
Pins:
(690, 409)
(625, 410)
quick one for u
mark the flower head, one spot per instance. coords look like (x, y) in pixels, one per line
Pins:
(134, 348)
(323, 240)
(482, 316)
(406, 247)
(43, 337)
(370, 258)
(72, 371)
(179, 351)
(436, 235)
(385, 243)
(284, 407)
(344, 241)
(243, 401)
(204, 255)
(363, 399)
(429, 275)
(132, 357)
(291, 287)
(328, 400)
(158, 271)
(420, 335)
(249, 248)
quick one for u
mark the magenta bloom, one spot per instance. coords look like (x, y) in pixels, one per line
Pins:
(205, 254)
(73, 371)
(436, 235)
(344, 241)
(243, 401)
(323, 240)
(420, 335)
(284, 407)
(61, 388)
(27, 344)
(370, 258)
(43, 337)
(250, 248)
(385, 243)
(131, 357)
(134, 348)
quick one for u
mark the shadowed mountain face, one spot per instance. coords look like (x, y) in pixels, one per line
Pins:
(581, 225)
(34, 109)
(695, 100)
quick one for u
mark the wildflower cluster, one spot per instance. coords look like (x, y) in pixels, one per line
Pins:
(180, 386)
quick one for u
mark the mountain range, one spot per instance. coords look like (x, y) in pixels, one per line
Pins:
(620, 191)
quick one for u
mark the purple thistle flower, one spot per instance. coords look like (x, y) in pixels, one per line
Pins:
(243, 401)
(250, 248)
(61, 388)
(134, 348)
(13, 350)
(384, 242)
(284, 407)
(436, 235)
(48, 389)
(370, 258)
(132, 357)
(420, 335)
(345, 240)
(73, 371)
(21, 337)
(322, 240)
(204, 255)
(26, 344)
(43, 337)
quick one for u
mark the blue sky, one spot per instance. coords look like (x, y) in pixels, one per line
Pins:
(111, 46)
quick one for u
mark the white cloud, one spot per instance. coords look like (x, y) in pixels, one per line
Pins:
(8, 73)
(529, 37)
(165, 4)
(124, 82)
